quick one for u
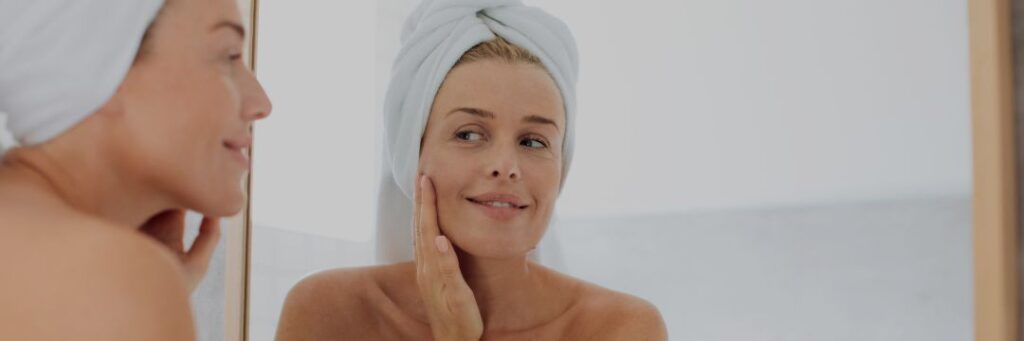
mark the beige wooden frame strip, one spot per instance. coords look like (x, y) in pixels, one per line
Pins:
(236, 231)
(996, 307)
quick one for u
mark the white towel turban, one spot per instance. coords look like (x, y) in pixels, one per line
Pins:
(60, 60)
(434, 37)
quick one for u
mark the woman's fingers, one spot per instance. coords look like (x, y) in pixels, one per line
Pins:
(435, 249)
(416, 236)
(454, 290)
(168, 228)
(459, 316)
(417, 208)
(426, 223)
(197, 260)
(428, 210)
(450, 303)
(447, 262)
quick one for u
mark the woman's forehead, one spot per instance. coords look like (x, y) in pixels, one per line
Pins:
(501, 89)
(205, 12)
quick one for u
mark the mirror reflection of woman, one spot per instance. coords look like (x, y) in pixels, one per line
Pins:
(128, 112)
(479, 118)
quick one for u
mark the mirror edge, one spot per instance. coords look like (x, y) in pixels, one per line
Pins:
(237, 229)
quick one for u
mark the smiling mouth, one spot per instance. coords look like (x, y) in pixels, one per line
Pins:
(239, 152)
(240, 145)
(236, 148)
(497, 203)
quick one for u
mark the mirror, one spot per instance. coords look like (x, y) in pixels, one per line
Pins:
(787, 170)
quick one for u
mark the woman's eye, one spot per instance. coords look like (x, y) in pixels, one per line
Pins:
(468, 136)
(533, 143)
(235, 57)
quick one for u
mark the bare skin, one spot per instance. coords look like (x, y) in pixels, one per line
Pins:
(92, 220)
(383, 303)
(494, 134)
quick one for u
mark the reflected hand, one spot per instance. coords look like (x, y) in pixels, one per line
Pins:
(451, 306)
(168, 228)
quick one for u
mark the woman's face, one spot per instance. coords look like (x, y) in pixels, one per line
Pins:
(187, 106)
(493, 148)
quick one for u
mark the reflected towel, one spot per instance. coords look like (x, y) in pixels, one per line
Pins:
(434, 37)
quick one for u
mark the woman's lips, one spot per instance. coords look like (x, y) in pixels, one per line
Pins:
(498, 206)
(238, 152)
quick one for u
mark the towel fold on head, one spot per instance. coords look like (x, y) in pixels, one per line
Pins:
(434, 37)
(60, 60)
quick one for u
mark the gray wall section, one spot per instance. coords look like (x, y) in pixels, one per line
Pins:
(280, 258)
(886, 270)
(889, 270)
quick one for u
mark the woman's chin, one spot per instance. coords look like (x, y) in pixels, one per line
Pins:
(226, 203)
(493, 249)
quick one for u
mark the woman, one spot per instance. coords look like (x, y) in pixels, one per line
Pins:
(128, 112)
(486, 167)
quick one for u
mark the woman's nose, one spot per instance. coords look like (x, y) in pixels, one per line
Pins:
(506, 165)
(512, 174)
(255, 103)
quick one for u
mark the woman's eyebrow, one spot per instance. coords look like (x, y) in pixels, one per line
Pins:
(539, 120)
(487, 114)
(472, 111)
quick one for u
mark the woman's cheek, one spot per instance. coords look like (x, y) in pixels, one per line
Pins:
(549, 174)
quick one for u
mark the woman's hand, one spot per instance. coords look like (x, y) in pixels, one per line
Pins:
(168, 228)
(451, 306)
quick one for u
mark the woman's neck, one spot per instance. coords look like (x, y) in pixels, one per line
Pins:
(83, 181)
(513, 294)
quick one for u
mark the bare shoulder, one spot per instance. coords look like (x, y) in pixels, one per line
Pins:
(321, 294)
(605, 314)
(337, 304)
(71, 276)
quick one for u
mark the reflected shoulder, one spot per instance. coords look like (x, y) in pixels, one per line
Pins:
(611, 315)
(638, 319)
(332, 304)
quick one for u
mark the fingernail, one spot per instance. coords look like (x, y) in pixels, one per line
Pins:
(442, 244)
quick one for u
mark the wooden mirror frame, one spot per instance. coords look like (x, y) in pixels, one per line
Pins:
(995, 201)
(236, 230)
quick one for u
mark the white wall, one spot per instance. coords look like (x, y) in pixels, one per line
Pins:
(731, 105)
(313, 164)
(722, 104)
(739, 103)
(704, 104)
